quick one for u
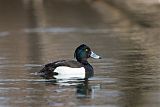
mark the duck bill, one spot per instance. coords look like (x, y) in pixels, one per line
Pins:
(95, 56)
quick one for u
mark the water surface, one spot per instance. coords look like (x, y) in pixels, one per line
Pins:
(35, 33)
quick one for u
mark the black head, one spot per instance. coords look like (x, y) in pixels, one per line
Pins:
(83, 52)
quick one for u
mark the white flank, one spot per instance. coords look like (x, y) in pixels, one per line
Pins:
(69, 73)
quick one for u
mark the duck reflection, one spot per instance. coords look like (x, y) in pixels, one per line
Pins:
(83, 89)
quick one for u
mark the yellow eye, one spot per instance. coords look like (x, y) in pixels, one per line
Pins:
(86, 49)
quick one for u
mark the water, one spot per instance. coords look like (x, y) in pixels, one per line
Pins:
(32, 34)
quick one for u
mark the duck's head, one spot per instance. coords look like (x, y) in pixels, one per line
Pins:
(83, 52)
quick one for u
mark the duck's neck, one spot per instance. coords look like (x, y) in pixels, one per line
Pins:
(84, 62)
(87, 65)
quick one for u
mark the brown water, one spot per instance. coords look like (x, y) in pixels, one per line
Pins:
(33, 33)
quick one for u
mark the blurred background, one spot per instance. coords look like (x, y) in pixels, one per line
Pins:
(126, 33)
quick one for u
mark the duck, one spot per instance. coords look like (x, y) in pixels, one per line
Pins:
(71, 69)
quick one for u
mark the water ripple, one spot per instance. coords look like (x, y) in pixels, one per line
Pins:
(2, 34)
(65, 30)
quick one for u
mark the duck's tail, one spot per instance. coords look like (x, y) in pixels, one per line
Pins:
(46, 73)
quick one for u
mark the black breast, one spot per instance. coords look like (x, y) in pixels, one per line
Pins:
(89, 70)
